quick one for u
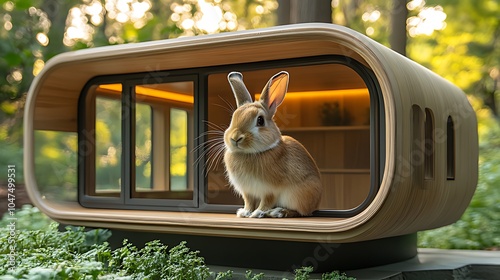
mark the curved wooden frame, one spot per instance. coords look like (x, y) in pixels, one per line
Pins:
(406, 201)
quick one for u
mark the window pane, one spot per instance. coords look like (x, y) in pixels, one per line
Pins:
(100, 141)
(327, 109)
(163, 164)
(178, 149)
(108, 145)
(143, 144)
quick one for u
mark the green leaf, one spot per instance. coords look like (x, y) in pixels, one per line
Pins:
(23, 4)
(13, 59)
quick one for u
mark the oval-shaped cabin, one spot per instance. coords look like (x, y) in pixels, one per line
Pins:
(396, 145)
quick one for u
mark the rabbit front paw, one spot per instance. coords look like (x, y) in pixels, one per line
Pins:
(258, 214)
(277, 212)
(243, 213)
(280, 212)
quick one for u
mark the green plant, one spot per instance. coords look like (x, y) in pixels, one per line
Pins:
(335, 275)
(224, 275)
(27, 218)
(250, 276)
(39, 250)
(303, 273)
(177, 263)
(79, 254)
(50, 252)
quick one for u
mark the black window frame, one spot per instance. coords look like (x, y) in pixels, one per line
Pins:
(125, 200)
(199, 76)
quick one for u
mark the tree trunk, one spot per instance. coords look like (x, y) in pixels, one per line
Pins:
(397, 37)
(298, 11)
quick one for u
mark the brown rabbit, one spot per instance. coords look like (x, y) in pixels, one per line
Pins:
(274, 174)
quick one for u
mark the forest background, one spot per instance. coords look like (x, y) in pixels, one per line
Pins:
(459, 40)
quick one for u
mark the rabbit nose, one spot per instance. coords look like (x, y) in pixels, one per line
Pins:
(238, 139)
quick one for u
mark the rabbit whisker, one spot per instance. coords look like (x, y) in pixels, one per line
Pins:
(205, 152)
(212, 149)
(210, 133)
(214, 160)
(228, 104)
(229, 110)
(206, 144)
(215, 126)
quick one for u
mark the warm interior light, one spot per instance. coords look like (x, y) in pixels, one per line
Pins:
(322, 93)
(151, 92)
(146, 91)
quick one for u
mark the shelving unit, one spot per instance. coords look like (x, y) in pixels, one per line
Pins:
(342, 154)
(325, 128)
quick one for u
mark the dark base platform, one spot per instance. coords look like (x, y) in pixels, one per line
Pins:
(438, 264)
(284, 255)
(429, 264)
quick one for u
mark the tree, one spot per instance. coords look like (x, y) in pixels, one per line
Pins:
(467, 50)
(300, 11)
(397, 37)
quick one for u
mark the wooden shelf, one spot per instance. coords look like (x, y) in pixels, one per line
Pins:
(326, 128)
(343, 171)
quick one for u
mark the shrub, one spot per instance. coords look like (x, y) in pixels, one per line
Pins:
(41, 251)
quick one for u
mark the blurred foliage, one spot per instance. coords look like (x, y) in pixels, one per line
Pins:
(467, 51)
(11, 154)
(371, 18)
(56, 164)
(460, 41)
(27, 218)
(463, 46)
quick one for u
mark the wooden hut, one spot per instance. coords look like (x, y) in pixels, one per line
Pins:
(396, 144)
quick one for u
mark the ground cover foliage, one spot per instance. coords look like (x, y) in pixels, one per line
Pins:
(42, 251)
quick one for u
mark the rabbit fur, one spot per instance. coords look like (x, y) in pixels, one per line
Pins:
(274, 174)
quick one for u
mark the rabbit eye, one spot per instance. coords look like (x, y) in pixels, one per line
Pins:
(260, 121)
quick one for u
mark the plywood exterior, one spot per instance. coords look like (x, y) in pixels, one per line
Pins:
(405, 203)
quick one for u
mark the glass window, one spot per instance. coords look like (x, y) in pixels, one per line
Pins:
(137, 140)
(143, 146)
(162, 140)
(327, 109)
(108, 148)
(100, 141)
(178, 149)
(162, 123)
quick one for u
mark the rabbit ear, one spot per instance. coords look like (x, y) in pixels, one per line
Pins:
(240, 91)
(274, 91)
